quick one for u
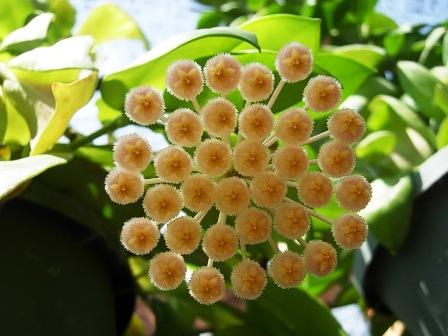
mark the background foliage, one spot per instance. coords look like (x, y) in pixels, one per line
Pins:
(397, 77)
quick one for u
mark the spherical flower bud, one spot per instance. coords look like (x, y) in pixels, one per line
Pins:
(219, 117)
(256, 122)
(184, 128)
(294, 126)
(353, 192)
(198, 192)
(347, 126)
(320, 257)
(322, 93)
(162, 202)
(253, 226)
(250, 157)
(232, 196)
(183, 235)
(173, 164)
(167, 270)
(132, 152)
(222, 73)
(184, 79)
(139, 235)
(207, 285)
(124, 186)
(291, 220)
(287, 269)
(268, 189)
(213, 157)
(294, 62)
(290, 161)
(144, 105)
(314, 189)
(336, 159)
(256, 82)
(248, 280)
(350, 231)
(220, 242)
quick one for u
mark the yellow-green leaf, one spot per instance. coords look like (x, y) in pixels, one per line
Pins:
(109, 22)
(366, 54)
(14, 173)
(68, 99)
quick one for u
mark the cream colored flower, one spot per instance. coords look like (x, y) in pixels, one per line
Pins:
(347, 126)
(287, 269)
(314, 189)
(173, 164)
(213, 157)
(219, 117)
(294, 62)
(144, 105)
(290, 161)
(162, 202)
(268, 189)
(250, 157)
(291, 220)
(350, 231)
(207, 285)
(132, 152)
(198, 192)
(294, 126)
(222, 73)
(322, 93)
(232, 196)
(256, 122)
(184, 128)
(320, 257)
(253, 226)
(167, 270)
(248, 280)
(184, 79)
(353, 192)
(139, 235)
(256, 82)
(183, 235)
(336, 159)
(220, 242)
(124, 186)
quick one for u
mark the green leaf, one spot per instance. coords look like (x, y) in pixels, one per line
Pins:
(380, 24)
(15, 13)
(69, 98)
(415, 139)
(389, 211)
(445, 49)
(151, 68)
(274, 31)
(290, 312)
(430, 42)
(209, 20)
(442, 134)
(73, 52)
(16, 172)
(419, 83)
(377, 142)
(441, 97)
(441, 73)
(29, 36)
(350, 73)
(108, 22)
(3, 116)
(366, 54)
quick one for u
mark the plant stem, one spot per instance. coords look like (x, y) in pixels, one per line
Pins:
(113, 125)
(210, 263)
(319, 216)
(270, 141)
(243, 251)
(154, 180)
(317, 137)
(300, 241)
(222, 218)
(200, 216)
(196, 105)
(276, 92)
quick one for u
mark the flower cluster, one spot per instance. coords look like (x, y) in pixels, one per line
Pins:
(243, 163)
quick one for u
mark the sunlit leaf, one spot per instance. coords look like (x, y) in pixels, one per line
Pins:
(377, 142)
(15, 13)
(16, 172)
(419, 83)
(442, 134)
(389, 211)
(108, 22)
(441, 73)
(350, 73)
(72, 52)
(366, 54)
(3, 116)
(445, 49)
(29, 36)
(150, 69)
(68, 99)
(441, 97)
(430, 42)
(380, 24)
(274, 31)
